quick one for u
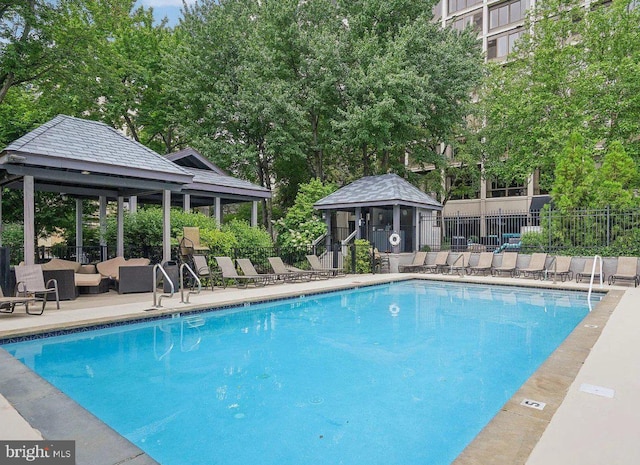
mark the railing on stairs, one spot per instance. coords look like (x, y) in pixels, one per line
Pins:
(188, 268)
(157, 300)
(596, 259)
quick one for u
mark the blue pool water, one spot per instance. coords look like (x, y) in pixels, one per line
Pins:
(405, 373)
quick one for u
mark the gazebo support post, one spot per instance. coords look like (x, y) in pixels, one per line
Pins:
(358, 225)
(133, 204)
(396, 226)
(102, 212)
(166, 225)
(29, 220)
(254, 213)
(79, 238)
(186, 203)
(218, 211)
(416, 229)
(120, 224)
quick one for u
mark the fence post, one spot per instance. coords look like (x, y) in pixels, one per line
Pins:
(608, 225)
(549, 246)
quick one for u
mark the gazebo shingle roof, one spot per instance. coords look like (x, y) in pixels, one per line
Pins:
(383, 190)
(72, 143)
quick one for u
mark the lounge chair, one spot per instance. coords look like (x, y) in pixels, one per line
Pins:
(417, 265)
(627, 270)
(316, 265)
(508, 264)
(8, 304)
(249, 270)
(439, 263)
(586, 272)
(202, 270)
(229, 273)
(190, 242)
(30, 283)
(562, 268)
(536, 266)
(460, 263)
(485, 262)
(287, 270)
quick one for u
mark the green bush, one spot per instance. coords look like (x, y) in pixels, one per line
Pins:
(248, 236)
(363, 257)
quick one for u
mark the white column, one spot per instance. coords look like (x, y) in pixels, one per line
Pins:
(29, 220)
(396, 226)
(358, 225)
(79, 238)
(218, 211)
(166, 225)
(102, 213)
(254, 214)
(120, 221)
(186, 202)
(133, 203)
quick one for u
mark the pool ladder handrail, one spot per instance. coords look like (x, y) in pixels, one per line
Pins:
(596, 258)
(182, 267)
(157, 300)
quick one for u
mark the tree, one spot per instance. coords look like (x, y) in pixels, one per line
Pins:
(615, 178)
(302, 224)
(577, 71)
(574, 174)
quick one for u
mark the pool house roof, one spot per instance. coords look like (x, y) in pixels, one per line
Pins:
(377, 191)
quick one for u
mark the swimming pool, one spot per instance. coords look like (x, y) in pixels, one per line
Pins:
(401, 373)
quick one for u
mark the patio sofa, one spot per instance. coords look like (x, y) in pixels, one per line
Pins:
(74, 278)
(127, 276)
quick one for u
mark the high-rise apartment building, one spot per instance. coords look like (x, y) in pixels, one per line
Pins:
(499, 24)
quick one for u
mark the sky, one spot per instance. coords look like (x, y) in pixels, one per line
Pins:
(166, 8)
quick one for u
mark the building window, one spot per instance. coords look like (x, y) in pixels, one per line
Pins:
(503, 189)
(499, 46)
(507, 13)
(458, 5)
(470, 20)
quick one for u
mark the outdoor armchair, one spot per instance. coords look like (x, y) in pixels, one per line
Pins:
(202, 270)
(417, 265)
(586, 272)
(247, 268)
(536, 265)
(508, 265)
(30, 283)
(316, 265)
(460, 263)
(439, 264)
(292, 272)
(627, 270)
(485, 262)
(8, 304)
(229, 273)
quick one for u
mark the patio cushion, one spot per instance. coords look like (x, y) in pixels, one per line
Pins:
(109, 268)
(60, 264)
(86, 279)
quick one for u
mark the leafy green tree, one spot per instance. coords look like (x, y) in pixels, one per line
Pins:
(574, 174)
(302, 224)
(578, 71)
(615, 179)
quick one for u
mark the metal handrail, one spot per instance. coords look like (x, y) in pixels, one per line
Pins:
(182, 267)
(593, 272)
(347, 240)
(554, 262)
(155, 285)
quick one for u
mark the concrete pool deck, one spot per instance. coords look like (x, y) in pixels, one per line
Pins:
(589, 384)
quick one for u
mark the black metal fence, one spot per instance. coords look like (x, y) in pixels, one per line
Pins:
(578, 232)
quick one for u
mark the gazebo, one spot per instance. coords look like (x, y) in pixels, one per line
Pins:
(380, 208)
(88, 159)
